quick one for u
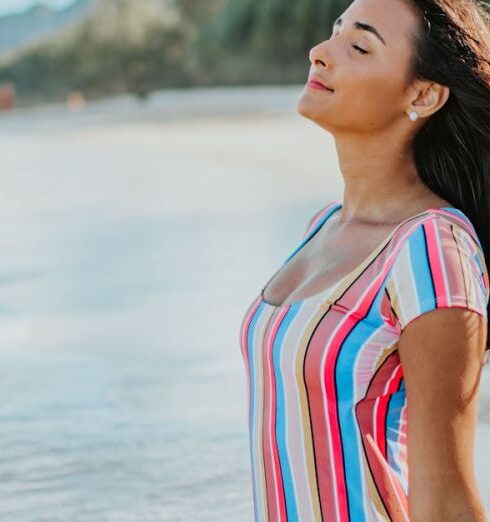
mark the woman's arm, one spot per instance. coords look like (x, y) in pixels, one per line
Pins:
(441, 354)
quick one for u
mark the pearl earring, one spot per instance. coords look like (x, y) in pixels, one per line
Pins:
(413, 115)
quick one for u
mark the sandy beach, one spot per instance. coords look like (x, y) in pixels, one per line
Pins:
(134, 237)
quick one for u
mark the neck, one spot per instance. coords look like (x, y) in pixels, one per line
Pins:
(380, 178)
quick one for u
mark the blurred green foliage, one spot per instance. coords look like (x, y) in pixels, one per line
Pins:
(121, 48)
(268, 40)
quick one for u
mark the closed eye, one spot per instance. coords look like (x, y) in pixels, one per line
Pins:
(356, 47)
(360, 50)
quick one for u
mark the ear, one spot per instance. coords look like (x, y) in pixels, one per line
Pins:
(427, 98)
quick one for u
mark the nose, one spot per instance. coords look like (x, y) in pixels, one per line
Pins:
(319, 57)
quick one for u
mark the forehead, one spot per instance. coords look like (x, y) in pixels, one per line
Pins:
(395, 20)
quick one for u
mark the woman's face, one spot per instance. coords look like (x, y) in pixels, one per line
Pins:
(367, 69)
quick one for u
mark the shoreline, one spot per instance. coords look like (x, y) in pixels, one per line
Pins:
(165, 105)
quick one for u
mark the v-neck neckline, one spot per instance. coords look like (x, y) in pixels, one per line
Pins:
(352, 273)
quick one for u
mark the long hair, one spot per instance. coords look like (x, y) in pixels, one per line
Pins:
(452, 150)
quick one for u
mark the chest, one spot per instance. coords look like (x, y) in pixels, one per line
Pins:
(327, 257)
(318, 344)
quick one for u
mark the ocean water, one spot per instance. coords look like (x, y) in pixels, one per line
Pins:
(121, 380)
(121, 394)
(129, 251)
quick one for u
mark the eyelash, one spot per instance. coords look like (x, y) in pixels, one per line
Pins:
(357, 48)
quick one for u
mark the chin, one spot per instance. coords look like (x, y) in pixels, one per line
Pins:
(308, 109)
(305, 107)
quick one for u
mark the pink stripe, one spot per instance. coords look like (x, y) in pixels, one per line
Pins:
(245, 348)
(391, 387)
(371, 415)
(275, 493)
(465, 223)
(436, 263)
(320, 432)
(245, 327)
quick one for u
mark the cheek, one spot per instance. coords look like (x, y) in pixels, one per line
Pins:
(373, 91)
(364, 100)
(370, 101)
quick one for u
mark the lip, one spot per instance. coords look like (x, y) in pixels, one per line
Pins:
(316, 84)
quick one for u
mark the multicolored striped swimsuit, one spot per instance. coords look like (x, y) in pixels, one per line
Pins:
(327, 405)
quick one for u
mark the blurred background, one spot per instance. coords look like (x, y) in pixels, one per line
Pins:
(155, 173)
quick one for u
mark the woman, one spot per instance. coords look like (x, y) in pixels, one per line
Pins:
(364, 350)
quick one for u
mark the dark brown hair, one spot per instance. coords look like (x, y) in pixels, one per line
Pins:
(452, 150)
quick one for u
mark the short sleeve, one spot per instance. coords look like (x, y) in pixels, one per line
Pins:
(439, 265)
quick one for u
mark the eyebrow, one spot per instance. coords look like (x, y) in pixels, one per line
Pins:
(362, 26)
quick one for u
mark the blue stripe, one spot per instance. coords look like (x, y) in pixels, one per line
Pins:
(393, 421)
(419, 260)
(349, 426)
(281, 428)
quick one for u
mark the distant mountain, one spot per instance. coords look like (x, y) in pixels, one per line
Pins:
(38, 23)
(106, 47)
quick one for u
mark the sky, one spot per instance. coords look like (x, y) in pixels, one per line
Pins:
(15, 6)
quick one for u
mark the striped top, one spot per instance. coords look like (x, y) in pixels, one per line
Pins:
(327, 409)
